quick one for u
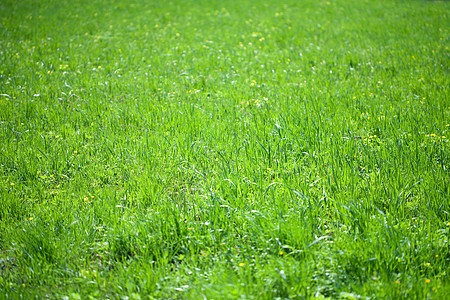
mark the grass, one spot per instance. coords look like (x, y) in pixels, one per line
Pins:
(224, 149)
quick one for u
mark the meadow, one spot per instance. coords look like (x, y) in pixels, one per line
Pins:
(224, 149)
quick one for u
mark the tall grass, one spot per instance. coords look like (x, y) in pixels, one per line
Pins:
(224, 149)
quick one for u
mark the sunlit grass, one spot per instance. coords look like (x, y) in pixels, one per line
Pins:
(224, 149)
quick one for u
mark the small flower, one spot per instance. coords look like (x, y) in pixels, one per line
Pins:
(427, 264)
(437, 255)
(427, 280)
(281, 252)
(12, 183)
(241, 264)
(397, 282)
(31, 219)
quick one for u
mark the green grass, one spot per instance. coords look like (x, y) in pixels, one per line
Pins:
(224, 149)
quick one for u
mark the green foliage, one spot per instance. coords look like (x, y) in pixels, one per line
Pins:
(224, 149)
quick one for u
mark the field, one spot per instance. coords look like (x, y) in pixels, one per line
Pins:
(224, 149)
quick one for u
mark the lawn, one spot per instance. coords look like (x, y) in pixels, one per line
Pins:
(224, 149)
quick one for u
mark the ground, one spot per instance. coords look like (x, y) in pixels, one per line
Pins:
(224, 149)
